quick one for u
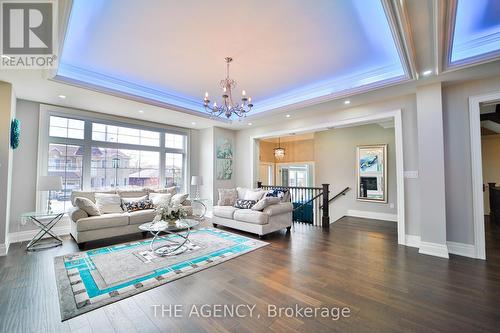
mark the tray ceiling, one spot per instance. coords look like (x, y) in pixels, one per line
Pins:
(285, 52)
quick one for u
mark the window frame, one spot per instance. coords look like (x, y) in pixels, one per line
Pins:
(46, 111)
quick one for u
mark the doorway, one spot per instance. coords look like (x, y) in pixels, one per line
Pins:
(477, 121)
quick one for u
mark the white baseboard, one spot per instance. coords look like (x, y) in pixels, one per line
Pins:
(27, 235)
(372, 215)
(462, 249)
(413, 241)
(433, 249)
(4, 248)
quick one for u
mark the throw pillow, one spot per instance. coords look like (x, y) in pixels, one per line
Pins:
(227, 197)
(266, 202)
(178, 199)
(87, 206)
(135, 205)
(254, 195)
(158, 198)
(284, 195)
(108, 203)
(241, 192)
(126, 200)
(244, 204)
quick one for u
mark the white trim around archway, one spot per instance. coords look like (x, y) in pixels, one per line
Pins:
(477, 170)
(398, 133)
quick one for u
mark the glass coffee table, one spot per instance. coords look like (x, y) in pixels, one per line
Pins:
(175, 244)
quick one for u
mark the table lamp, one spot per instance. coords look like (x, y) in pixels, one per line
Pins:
(49, 183)
(197, 181)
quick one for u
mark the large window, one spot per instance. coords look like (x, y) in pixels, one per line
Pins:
(98, 155)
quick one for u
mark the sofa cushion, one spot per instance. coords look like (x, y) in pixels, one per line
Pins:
(178, 199)
(244, 204)
(172, 190)
(224, 211)
(103, 221)
(158, 198)
(87, 206)
(132, 193)
(281, 208)
(227, 197)
(142, 216)
(86, 194)
(108, 203)
(135, 204)
(251, 216)
(255, 195)
(266, 202)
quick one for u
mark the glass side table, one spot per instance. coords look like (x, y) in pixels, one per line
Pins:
(199, 207)
(45, 222)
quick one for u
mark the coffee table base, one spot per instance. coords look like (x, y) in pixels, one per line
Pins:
(173, 248)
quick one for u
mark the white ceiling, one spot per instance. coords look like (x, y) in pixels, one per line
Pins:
(279, 47)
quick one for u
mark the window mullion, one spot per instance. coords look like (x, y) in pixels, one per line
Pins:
(87, 156)
(161, 179)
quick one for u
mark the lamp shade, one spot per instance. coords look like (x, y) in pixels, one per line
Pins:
(196, 180)
(49, 183)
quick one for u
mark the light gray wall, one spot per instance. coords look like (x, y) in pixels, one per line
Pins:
(431, 164)
(7, 113)
(459, 222)
(323, 113)
(25, 166)
(335, 164)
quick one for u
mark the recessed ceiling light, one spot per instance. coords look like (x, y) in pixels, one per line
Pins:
(250, 124)
(141, 111)
(288, 116)
(193, 123)
(347, 102)
(426, 73)
(62, 96)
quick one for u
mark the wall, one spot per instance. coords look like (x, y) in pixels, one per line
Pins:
(324, 113)
(7, 113)
(295, 151)
(459, 222)
(490, 147)
(335, 152)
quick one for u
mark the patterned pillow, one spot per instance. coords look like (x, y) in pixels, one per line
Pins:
(283, 194)
(134, 205)
(244, 204)
(227, 197)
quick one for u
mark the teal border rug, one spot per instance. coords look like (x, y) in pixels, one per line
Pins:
(84, 284)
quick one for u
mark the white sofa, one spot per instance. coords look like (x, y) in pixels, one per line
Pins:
(272, 218)
(85, 228)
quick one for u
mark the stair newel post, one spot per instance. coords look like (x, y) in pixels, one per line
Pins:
(325, 221)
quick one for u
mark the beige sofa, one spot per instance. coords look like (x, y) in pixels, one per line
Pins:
(85, 228)
(272, 218)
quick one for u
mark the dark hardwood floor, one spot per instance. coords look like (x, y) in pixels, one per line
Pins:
(356, 264)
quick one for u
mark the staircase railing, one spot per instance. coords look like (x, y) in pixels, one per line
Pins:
(310, 203)
(343, 192)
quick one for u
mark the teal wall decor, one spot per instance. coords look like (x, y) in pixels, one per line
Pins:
(15, 133)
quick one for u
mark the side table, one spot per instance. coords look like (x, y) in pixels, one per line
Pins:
(45, 222)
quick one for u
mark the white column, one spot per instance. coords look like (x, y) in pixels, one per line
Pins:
(7, 113)
(431, 171)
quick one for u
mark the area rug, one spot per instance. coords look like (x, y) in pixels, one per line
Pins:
(91, 279)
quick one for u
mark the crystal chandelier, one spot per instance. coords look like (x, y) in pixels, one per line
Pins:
(228, 107)
(279, 152)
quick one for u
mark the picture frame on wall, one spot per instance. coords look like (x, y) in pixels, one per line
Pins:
(371, 173)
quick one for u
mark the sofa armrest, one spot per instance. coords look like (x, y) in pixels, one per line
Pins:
(76, 213)
(279, 208)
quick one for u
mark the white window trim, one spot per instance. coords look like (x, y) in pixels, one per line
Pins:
(43, 142)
